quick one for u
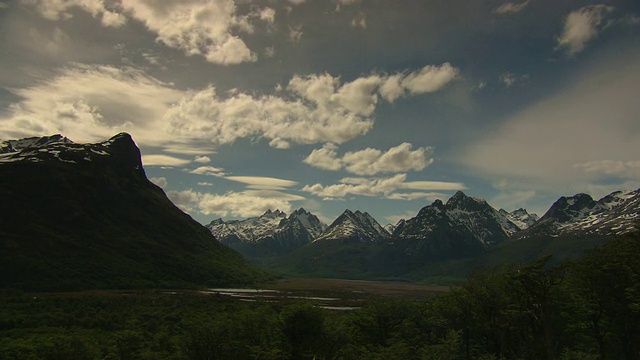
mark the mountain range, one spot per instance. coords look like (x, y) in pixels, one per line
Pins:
(84, 216)
(463, 228)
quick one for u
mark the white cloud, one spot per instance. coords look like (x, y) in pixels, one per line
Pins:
(204, 27)
(417, 195)
(89, 103)
(581, 26)
(208, 170)
(325, 158)
(359, 96)
(392, 88)
(261, 182)
(379, 187)
(370, 161)
(160, 181)
(163, 160)
(59, 10)
(315, 88)
(433, 185)
(186, 200)
(198, 27)
(511, 8)
(430, 78)
(202, 159)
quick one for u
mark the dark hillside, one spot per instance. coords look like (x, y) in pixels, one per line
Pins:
(85, 216)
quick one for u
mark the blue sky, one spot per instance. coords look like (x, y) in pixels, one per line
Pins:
(379, 106)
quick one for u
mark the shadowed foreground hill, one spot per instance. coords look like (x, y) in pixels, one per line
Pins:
(80, 216)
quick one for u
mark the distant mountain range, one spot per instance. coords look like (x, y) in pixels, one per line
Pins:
(83, 216)
(271, 234)
(463, 228)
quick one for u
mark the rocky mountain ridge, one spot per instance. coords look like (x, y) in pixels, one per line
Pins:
(272, 233)
(91, 219)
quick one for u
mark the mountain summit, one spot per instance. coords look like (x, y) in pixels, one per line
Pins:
(615, 214)
(462, 227)
(354, 226)
(92, 219)
(271, 234)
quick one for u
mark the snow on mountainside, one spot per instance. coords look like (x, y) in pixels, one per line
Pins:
(314, 226)
(615, 214)
(464, 225)
(14, 146)
(356, 226)
(271, 234)
(249, 230)
(58, 148)
(520, 217)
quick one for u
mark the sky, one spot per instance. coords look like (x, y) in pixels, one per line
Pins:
(374, 105)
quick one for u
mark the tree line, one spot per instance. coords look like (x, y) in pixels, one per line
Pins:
(583, 309)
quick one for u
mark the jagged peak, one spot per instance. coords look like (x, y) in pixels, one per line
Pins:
(300, 211)
(217, 221)
(276, 213)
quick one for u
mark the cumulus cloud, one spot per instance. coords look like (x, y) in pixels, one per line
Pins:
(370, 161)
(430, 78)
(325, 158)
(380, 187)
(580, 27)
(160, 181)
(204, 115)
(59, 10)
(208, 28)
(511, 8)
(89, 103)
(208, 170)
(202, 159)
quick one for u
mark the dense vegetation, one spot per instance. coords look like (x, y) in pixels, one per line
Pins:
(585, 309)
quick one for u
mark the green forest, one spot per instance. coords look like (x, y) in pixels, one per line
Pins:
(582, 309)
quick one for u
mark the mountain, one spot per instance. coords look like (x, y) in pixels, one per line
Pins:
(615, 214)
(354, 226)
(520, 217)
(445, 241)
(271, 234)
(83, 216)
(462, 227)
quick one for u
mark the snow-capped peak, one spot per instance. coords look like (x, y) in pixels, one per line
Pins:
(356, 226)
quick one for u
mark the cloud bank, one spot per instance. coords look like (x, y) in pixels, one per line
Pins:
(370, 161)
(92, 102)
